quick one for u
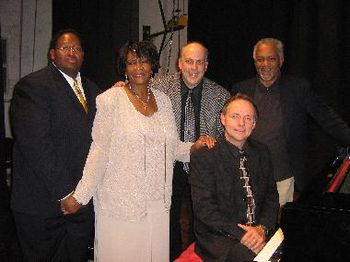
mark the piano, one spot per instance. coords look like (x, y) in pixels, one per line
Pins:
(316, 226)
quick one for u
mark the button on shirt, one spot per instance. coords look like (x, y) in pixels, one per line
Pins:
(269, 128)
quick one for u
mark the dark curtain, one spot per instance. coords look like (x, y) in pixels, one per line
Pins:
(316, 34)
(229, 28)
(2, 119)
(6, 222)
(104, 25)
(4, 196)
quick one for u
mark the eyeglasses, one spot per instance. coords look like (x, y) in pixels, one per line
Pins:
(134, 62)
(192, 62)
(247, 119)
(66, 49)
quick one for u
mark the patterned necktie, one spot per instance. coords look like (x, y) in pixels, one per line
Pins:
(189, 124)
(244, 176)
(79, 95)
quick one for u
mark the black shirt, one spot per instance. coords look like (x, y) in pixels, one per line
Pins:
(196, 99)
(269, 128)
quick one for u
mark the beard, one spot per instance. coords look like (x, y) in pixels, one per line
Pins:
(268, 74)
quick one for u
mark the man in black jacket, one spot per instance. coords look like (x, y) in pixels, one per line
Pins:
(52, 112)
(233, 191)
(284, 104)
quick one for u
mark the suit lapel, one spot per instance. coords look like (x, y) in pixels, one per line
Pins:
(62, 84)
(75, 98)
(205, 113)
(230, 181)
(86, 91)
(285, 97)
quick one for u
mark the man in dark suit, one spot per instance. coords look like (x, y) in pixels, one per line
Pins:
(208, 98)
(284, 104)
(52, 112)
(233, 191)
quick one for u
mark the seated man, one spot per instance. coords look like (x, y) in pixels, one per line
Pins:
(234, 195)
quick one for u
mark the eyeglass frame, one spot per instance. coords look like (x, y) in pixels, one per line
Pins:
(66, 49)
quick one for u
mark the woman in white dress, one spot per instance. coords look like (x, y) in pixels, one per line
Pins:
(129, 167)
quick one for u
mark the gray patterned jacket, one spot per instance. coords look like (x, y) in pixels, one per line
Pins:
(213, 99)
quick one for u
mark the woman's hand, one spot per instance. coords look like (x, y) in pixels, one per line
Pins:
(70, 205)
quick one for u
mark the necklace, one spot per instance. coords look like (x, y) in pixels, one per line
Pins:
(144, 104)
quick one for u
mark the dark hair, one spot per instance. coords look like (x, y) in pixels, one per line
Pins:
(240, 96)
(142, 49)
(58, 34)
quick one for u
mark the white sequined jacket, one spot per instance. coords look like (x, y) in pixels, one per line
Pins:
(131, 157)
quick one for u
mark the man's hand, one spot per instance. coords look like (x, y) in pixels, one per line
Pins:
(254, 238)
(70, 205)
(208, 141)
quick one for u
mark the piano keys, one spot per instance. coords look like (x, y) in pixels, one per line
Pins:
(272, 251)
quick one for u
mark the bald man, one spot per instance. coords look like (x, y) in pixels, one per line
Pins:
(207, 98)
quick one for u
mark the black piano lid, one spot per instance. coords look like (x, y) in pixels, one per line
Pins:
(316, 226)
(316, 196)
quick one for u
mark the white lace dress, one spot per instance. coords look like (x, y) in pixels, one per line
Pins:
(129, 173)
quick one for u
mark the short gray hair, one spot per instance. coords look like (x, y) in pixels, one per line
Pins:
(277, 43)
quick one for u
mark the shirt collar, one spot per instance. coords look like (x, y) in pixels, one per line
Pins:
(67, 77)
(273, 88)
(195, 91)
(235, 150)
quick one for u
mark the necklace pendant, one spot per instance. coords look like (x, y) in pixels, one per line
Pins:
(144, 104)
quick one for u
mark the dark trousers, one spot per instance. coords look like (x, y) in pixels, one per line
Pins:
(181, 195)
(60, 238)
